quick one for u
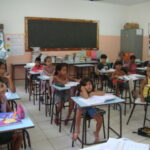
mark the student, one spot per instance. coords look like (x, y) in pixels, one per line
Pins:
(132, 68)
(15, 137)
(143, 94)
(49, 68)
(5, 77)
(115, 80)
(121, 57)
(61, 97)
(86, 90)
(102, 64)
(38, 67)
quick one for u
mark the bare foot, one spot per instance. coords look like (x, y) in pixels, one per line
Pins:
(97, 139)
(75, 136)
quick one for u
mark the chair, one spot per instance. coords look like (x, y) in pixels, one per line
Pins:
(145, 104)
(84, 127)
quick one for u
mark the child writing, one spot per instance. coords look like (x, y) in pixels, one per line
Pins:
(5, 77)
(115, 76)
(144, 89)
(132, 65)
(16, 137)
(61, 97)
(86, 90)
(38, 67)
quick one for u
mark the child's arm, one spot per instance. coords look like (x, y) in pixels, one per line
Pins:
(10, 83)
(84, 93)
(73, 79)
(98, 93)
(142, 88)
(8, 108)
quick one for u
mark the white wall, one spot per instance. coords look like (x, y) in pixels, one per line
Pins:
(141, 14)
(111, 17)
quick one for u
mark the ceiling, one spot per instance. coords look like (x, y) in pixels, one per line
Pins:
(123, 2)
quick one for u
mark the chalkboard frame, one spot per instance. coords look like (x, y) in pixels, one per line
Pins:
(59, 19)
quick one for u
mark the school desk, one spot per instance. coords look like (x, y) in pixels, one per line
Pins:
(25, 124)
(32, 75)
(11, 97)
(81, 104)
(58, 88)
(103, 71)
(45, 92)
(82, 67)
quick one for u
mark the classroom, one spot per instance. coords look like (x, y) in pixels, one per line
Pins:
(75, 75)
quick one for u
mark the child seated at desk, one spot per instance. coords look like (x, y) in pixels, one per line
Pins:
(86, 90)
(5, 77)
(144, 89)
(49, 68)
(102, 64)
(38, 67)
(15, 137)
(132, 68)
(117, 83)
(61, 97)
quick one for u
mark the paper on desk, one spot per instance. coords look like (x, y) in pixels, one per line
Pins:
(97, 99)
(97, 147)
(71, 84)
(10, 95)
(125, 144)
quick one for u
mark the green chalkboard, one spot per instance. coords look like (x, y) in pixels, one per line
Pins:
(61, 33)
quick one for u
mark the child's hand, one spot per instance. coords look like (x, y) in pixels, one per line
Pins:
(91, 94)
(7, 76)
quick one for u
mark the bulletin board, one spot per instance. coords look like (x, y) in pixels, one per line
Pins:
(14, 43)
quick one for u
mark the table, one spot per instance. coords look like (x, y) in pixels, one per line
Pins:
(12, 96)
(25, 124)
(81, 104)
(80, 68)
(68, 86)
(13, 67)
(106, 71)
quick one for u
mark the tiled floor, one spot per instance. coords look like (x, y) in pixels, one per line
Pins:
(47, 137)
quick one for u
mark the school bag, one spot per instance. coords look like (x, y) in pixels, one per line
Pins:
(145, 131)
(20, 112)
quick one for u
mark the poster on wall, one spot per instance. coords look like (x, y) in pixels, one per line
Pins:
(14, 43)
(149, 39)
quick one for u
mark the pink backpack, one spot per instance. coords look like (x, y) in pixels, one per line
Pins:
(20, 112)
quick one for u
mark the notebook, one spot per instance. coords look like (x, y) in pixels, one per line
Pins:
(97, 99)
(9, 118)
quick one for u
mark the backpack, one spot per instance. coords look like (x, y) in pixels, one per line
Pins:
(20, 112)
(145, 131)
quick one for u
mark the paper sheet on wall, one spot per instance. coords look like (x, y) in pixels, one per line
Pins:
(15, 43)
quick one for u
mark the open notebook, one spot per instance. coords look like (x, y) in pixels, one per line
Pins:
(72, 84)
(9, 118)
(97, 99)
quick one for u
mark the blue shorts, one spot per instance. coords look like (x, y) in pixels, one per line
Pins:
(91, 112)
